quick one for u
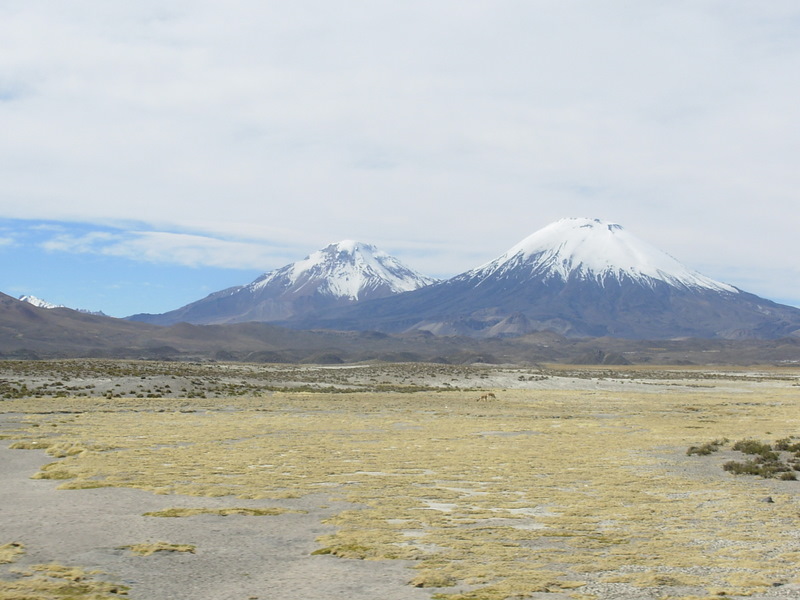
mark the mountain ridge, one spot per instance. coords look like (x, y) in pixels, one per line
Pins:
(38, 302)
(28, 333)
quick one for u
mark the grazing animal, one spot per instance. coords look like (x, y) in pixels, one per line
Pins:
(488, 396)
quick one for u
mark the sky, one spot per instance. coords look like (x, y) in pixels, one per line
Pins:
(152, 152)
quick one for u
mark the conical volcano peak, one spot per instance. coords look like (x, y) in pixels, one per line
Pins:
(582, 238)
(595, 249)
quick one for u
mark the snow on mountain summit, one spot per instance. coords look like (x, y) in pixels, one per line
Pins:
(338, 275)
(595, 249)
(347, 269)
(39, 302)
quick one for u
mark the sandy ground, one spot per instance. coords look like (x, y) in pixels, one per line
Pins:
(236, 558)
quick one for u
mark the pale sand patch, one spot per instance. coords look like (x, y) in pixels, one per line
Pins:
(236, 557)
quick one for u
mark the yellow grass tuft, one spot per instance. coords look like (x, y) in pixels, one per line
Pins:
(9, 552)
(57, 582)
(223, 512)
(53, 471)
(148, 548)
(428, 579)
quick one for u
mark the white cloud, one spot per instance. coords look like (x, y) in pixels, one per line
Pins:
(166, 248)
(85, 243)
(456, 127)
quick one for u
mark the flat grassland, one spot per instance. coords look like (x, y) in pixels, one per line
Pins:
(568, 483)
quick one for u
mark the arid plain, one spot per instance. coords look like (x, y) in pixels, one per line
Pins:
(159, 480)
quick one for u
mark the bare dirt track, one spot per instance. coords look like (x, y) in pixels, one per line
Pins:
(573, 483)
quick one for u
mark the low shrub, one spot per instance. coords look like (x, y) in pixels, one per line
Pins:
(787, 445)
(765, 469)
(707, 448)
(755, 447)
(742, 468)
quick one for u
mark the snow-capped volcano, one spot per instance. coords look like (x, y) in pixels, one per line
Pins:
(592, 249)
(577, 277)
(337, 275)
(347, 269)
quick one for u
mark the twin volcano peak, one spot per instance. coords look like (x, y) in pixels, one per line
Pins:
(579, 278)
(591, 249)
(576, 277)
